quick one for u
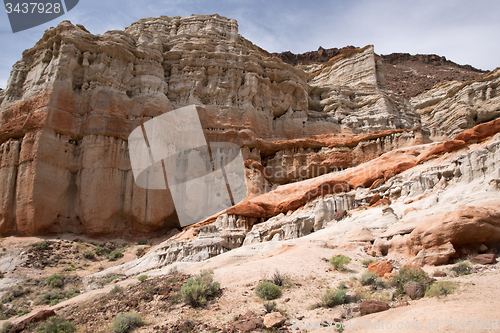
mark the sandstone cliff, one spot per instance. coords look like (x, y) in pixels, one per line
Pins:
(454, 106)
(74, 97)
(405, 74)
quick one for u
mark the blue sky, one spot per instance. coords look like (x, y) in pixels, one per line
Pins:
(466, 32)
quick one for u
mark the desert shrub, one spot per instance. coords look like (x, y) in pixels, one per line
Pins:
(339, 261)
(43, 245)
(88, 255)
(56, 325)
(55, 281)
(196, 289)
(114, 255)
(1, 275)
(342, 285)
(14, 293)
(6, 327)
(24, 311)
(462, 268)
(270, 307)
(142, 242)
(441, 288)
(142, 278)
(369, 278)
(332, 298)
(98, 250)
(109, 278)
(125, 322)
(407, 274)
(55, 297)
(140, 251)
(366, 262)
(278, 278)
(268, 291)
(116, 290)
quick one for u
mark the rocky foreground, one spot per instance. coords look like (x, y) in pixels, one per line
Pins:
(344, 160)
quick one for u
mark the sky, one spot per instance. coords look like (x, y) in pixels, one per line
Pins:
(466, 32)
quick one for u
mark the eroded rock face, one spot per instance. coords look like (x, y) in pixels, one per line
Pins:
(455, 106)
(74, 98)
(350, 88)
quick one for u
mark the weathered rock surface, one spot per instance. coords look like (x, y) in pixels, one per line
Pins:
(242, 224)
(414, 289)
(73, 98)
(372, 306)
(454, 106)
(274, 319)
(484, 259)
(380, 268)
(405, 74)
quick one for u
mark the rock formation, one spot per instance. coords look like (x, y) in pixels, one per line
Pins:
(73, 98)
(405, 74)
(455, 106)
(310, 134)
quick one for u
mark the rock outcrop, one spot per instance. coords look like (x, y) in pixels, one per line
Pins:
(285, 213)
(73, 99)
(405, 74)
(454, 106)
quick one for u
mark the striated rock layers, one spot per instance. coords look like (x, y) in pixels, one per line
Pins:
(455, 106)
(73, 99)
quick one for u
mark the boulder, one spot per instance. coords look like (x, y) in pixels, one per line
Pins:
(484, 259)
(339, 215)
(439, 274)
(380, 268)
(372, 306)
(274, 319)
(374, 199)
(414, 289)
(37, 317)
(249, 324)
(439, 236)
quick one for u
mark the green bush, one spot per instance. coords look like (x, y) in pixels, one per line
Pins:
(339, 261)
(125, 322)
(109, 278)
(55, 297)
(332, 298)
(268, 291)
(369, 278)
(41, 245)
(441, 288)
(142, 278)
(407, 274)
(88, 255)
(56, 325)
(55, 281)
(367, 262)
(462, 268)
(196, 289)
(6, 327)
(98, 250)
(24, 311)
(116, 290)
(142, 242)
(114, 255)
(270, 307)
